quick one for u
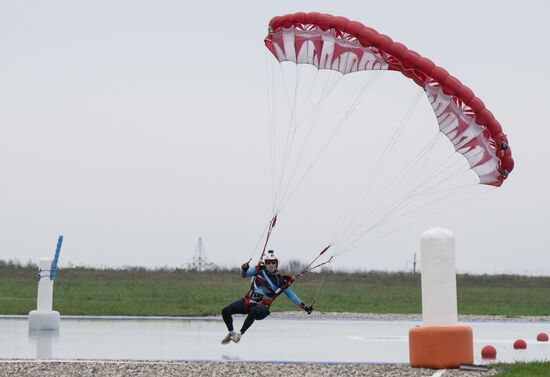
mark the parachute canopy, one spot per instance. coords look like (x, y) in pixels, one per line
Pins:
(336, 43)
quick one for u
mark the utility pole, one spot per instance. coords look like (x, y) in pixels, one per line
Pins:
(200, 262)
(414, 262)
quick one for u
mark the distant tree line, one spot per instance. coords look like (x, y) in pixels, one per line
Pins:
(16, 263)
(292, 266)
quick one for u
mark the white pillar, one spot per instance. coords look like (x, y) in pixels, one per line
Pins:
(45, 287)
(44, 318)
(439, 303)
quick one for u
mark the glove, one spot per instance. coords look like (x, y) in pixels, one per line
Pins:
(308, 308)
(245, 267)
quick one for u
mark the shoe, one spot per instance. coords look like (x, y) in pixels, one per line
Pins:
(236, 337)
(228, 337)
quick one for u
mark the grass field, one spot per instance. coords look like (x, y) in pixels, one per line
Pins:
(521, 369)
(80, 291)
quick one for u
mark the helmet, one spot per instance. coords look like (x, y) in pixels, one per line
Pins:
(270, 255)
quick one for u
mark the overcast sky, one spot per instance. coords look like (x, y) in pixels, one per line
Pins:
(135, 127)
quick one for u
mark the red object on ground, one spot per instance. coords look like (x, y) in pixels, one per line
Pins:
(441, 347)
(520, 344)
(542, 337)
(488, 352)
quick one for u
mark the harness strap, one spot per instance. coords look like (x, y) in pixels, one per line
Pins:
(264, 281)
(271, 285)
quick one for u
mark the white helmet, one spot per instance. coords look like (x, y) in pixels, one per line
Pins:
(270, 255)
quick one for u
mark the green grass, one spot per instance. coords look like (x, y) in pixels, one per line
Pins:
(522, 369)
(80, 291)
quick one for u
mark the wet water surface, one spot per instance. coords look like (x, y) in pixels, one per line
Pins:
(314, 340)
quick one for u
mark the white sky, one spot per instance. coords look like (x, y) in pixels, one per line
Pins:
(134, 127)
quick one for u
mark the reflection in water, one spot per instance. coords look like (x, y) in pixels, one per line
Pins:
(231, 358)
(44, 342)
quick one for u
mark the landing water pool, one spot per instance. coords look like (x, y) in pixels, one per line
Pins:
(273, 339)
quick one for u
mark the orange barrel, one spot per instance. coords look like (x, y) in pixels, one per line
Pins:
(441, 347)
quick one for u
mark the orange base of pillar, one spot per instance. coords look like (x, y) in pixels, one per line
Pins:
(441, 347)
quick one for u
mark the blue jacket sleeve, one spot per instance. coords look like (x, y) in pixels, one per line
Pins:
(292, 296)
(248, 273)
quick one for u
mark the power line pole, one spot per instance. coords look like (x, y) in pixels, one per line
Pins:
(414, 262)
(200, 262)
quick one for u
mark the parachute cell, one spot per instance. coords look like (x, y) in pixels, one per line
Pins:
(336, 43)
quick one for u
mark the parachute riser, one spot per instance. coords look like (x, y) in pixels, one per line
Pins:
(305, 270)
(309, 268)
(271, 226)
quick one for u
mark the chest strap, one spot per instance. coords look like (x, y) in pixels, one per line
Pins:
(271, 285)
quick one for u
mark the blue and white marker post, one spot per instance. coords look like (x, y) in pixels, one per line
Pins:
(44, 318)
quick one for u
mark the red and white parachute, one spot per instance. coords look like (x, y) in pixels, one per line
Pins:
(336, 43)
(426, 176)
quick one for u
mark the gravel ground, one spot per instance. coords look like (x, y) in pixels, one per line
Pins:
(19, 368)
(404, 317)
(221, 369)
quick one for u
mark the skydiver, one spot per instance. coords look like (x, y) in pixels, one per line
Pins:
(267, 283)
